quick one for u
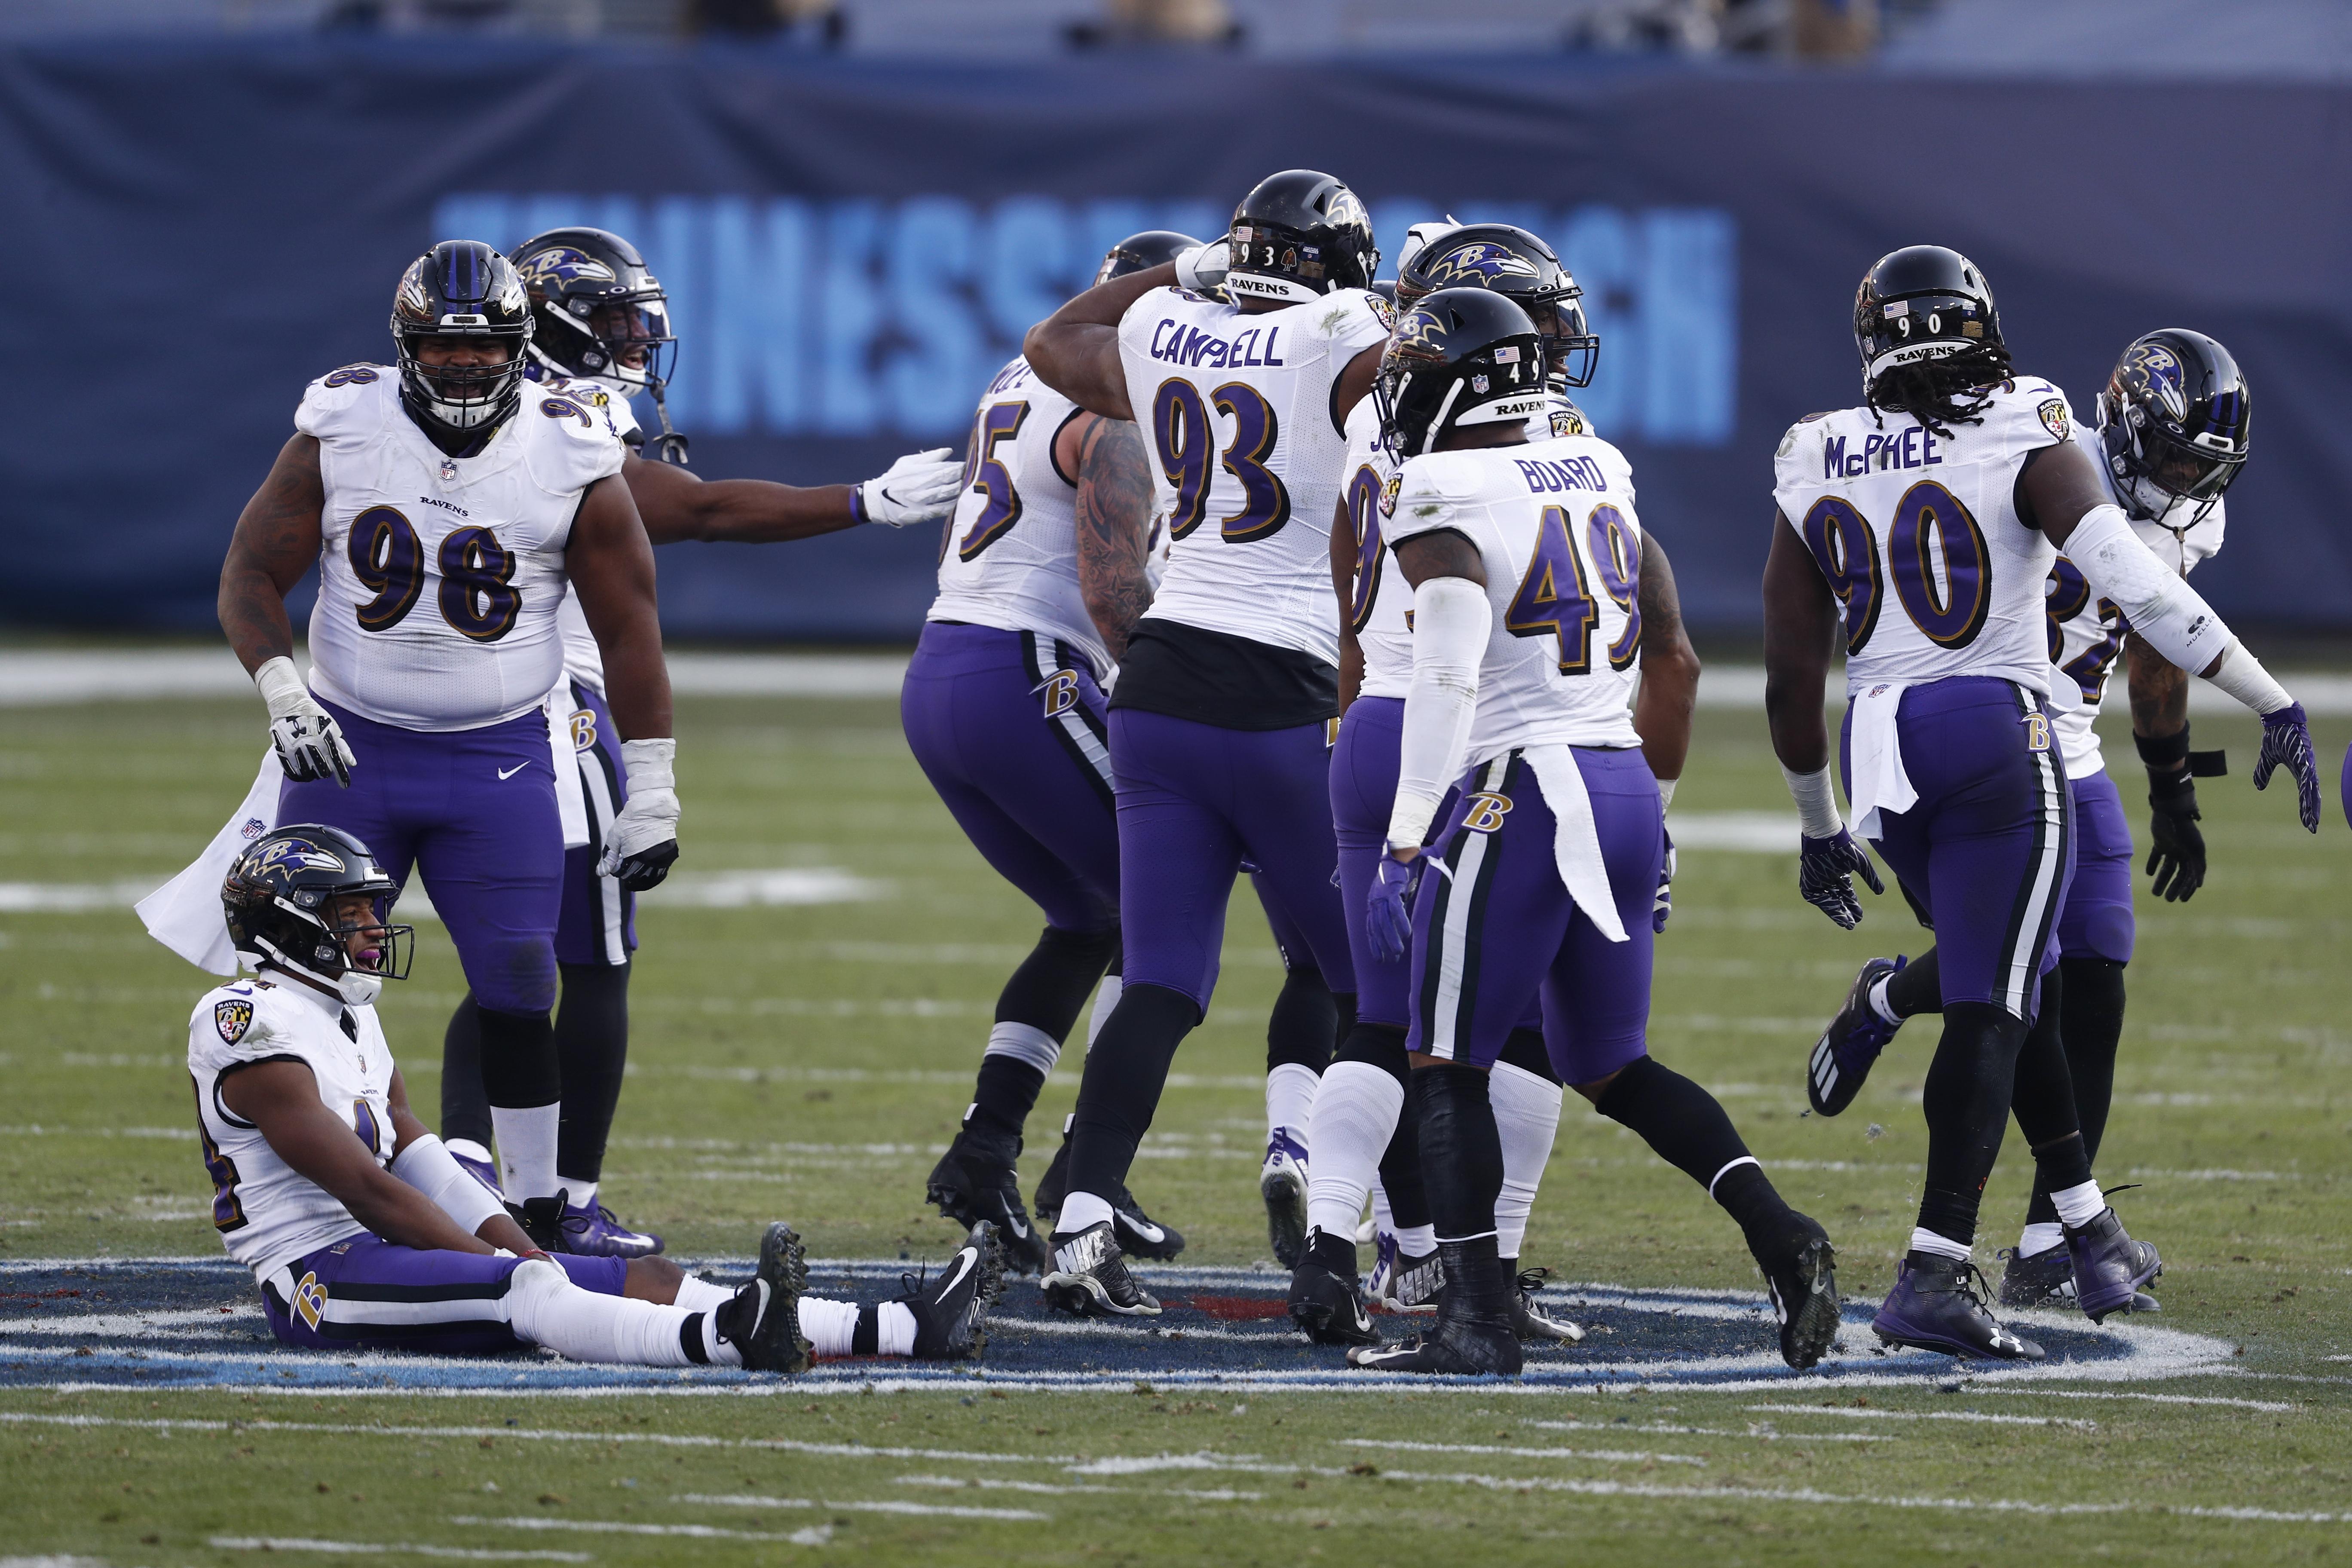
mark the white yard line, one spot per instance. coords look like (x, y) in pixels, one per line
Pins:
(2271, 1404)
(1607, 1455)
(624, 1527)
(384, 1549)
(1663, 1429)
(1870, 1413)
(945, 1510)
(986, 1484)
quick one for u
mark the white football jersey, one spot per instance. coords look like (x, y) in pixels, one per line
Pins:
(269, 1213)
(1236, 411)
(1553, 521)
(583, 660)
(2086, 633)
(439, 577)
(1011, 556)
(1917, 535)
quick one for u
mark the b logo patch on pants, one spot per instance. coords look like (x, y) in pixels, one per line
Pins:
(2037, 733)
(583, 729)
(1061, 692)
(310, 1300)
(1487, 812)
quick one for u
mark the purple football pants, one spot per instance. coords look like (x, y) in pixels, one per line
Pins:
(1989, 844)
(2096, 920)
(1194, 801)
(1009, 727)
(475, 810)
(599, 919)
(1501, 933)
(368, 1294)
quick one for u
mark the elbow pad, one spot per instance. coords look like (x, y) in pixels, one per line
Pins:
(427, 1166)
(2159, 604)
(1451, 621)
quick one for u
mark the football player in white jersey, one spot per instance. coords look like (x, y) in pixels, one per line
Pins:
(364, 1233)
(1922, 527)
(601, 334)
(447, 514)
(1219, 727)
(1043, 574)
(1358, 1126)
(2173, 432)
(1527, 560)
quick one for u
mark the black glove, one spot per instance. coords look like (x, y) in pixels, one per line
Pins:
(2176, 857)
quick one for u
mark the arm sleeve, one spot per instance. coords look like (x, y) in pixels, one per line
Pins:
(2158, 601)
(1451, 621)
(427, 1166)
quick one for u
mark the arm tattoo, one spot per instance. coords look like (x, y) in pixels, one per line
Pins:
(1114, 519)
(2158, 690)
(275, 545)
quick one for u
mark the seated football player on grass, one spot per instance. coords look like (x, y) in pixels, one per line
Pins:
(364, 1233)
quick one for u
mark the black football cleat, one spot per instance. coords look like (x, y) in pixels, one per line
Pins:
(951, 1316)
(1089, 1279)
(1529, 1320)
(2045, 1279)
(1943, 1304)
(1451, 1347)
(1800, 1275)
(1404, 1282)
(764, 1321)
(1842, 1057)
(976, 1183)
(1327, 1301)
(2109, 1267)
(542, 1220)
(1138, 1235)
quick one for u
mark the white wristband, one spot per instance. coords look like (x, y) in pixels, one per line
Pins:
(280, 685)
(2241, 675)
(649, 764)
(1667, 794)
(427, 1166)
(1816, 800)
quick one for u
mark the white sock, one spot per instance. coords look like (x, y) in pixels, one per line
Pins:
(831, 1326)
(2036, 1239)
(1935, 1245)
(467, 1149)
(544, 1307)
(1024, 1043)
(1878, 1001)
(1526, 1115)
(527, 1150)
(1383, 1217)
(702, 1296)
(1290, 1099)
(1105, 1000)
(1355, 1115)
(2079, 1206)
(1416, 1240)
(578, 1194)
(894, 1328)
(1080, 1210)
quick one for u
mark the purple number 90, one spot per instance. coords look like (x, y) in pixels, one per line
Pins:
(1847, 553)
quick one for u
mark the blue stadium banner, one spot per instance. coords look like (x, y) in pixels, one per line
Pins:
(853, 250)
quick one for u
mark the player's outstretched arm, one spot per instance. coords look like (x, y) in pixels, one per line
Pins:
(611, 563)
(2059, 492)
(276, 543)
(2159, 710)
(281, 1099)
(677, 504)
(1801, 628)
(1074, 350)
(1114, 523)
(1669, 691)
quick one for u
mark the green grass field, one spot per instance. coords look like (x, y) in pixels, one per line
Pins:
(807, 1063)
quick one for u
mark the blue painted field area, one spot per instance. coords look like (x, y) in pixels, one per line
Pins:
(164, 1323)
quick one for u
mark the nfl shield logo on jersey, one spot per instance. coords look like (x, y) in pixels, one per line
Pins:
(232, 1019)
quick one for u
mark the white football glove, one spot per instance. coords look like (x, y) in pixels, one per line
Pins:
(1202, 268)
(1417, 239)
(642, 842)
(308, 742)
(920, 486)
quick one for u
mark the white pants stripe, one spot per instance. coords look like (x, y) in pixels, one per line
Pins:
(2030, 930)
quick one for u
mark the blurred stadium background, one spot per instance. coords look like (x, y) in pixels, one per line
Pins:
(859, 204)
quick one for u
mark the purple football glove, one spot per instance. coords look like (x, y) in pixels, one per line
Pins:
(1387, 922)
(1823, 866)
(2286, 743)
(1663, 908)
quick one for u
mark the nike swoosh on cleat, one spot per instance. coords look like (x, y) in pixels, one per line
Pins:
(964, 1264)
(1020, 1231)
(510, 773)
(1145, 1228)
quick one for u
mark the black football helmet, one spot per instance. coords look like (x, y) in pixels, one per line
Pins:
(279, 901)
(1927, 329)
(2176, 421)
(596, 310)
(1459, 356)
(1511, 261)
(1298, 235)
(1152, 247)
(461, 289)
